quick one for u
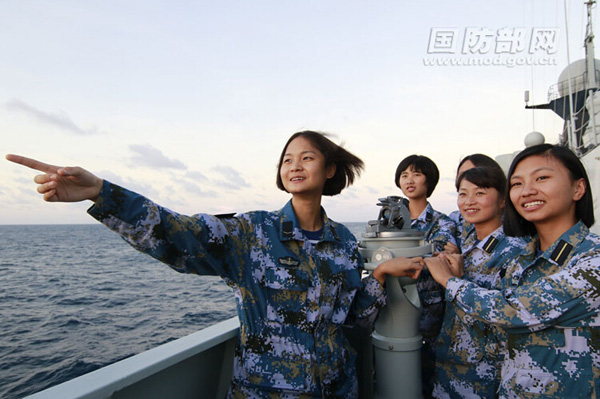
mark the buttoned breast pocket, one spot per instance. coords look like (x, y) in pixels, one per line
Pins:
(286, 288)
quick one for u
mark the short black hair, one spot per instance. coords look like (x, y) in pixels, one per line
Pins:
(515, 224)
(347, 165)
(421, 164)
(485, 177)
(478, 160)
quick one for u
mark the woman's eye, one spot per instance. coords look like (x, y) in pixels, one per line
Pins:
(543, 177)
(514, 184)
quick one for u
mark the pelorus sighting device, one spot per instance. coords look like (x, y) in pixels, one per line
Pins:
(396, 340)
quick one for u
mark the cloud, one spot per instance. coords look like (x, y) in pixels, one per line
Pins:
(199, 191)
(197, 176)
(234, 180)
(447, 179)
(62, 120)
(194, 188)
(146, 155)
(139, 186)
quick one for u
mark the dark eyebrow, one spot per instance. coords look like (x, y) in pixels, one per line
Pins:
(542, 168)
(302, 153)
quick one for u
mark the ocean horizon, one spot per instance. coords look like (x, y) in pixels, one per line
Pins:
(76, 297)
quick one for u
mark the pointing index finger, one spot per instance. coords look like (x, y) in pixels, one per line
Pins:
(32, 163)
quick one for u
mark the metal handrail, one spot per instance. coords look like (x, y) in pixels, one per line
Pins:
(578, 83)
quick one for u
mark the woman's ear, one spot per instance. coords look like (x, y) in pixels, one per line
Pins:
(502, 203)
(579, 189)
(330, 170)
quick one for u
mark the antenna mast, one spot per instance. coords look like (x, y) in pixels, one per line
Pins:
(592, 79)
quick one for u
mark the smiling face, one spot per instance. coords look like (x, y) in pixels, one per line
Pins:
(480, 206)
(303, 170)
(413, 183)
(543, 192)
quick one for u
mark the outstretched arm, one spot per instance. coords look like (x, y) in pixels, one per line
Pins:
(62, 184)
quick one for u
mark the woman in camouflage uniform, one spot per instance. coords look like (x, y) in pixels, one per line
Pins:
(465, 231)
(548, 300)
(417, 177)
(295, 272)
(468, 352)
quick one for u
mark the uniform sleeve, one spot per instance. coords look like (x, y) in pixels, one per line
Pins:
(564, 298)
(443, 231)
(362, 298)
(370, 298)
(200, 244)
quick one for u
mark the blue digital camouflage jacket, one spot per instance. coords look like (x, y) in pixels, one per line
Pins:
(549, 305)
(292, 296)
(438, 229)
(469, 352)
(465, 231)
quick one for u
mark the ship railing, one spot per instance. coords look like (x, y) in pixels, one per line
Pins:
(577, 83)
(197, 365)
(582, 133)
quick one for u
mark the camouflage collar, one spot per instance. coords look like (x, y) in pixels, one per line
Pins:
(489, 243)
(559, 252)
(427, 214)
(289, 226)
(469, 240)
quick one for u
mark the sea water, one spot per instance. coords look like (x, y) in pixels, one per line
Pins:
(74, 298)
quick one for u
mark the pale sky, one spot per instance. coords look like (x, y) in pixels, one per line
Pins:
(191, 102)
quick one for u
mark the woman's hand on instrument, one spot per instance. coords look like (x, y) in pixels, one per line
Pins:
(440, 269)
(399, 267)
(450, 248)
(456, 262)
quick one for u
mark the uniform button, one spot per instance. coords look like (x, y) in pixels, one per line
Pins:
(515, 279)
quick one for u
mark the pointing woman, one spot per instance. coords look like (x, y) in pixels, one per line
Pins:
(295, 272)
